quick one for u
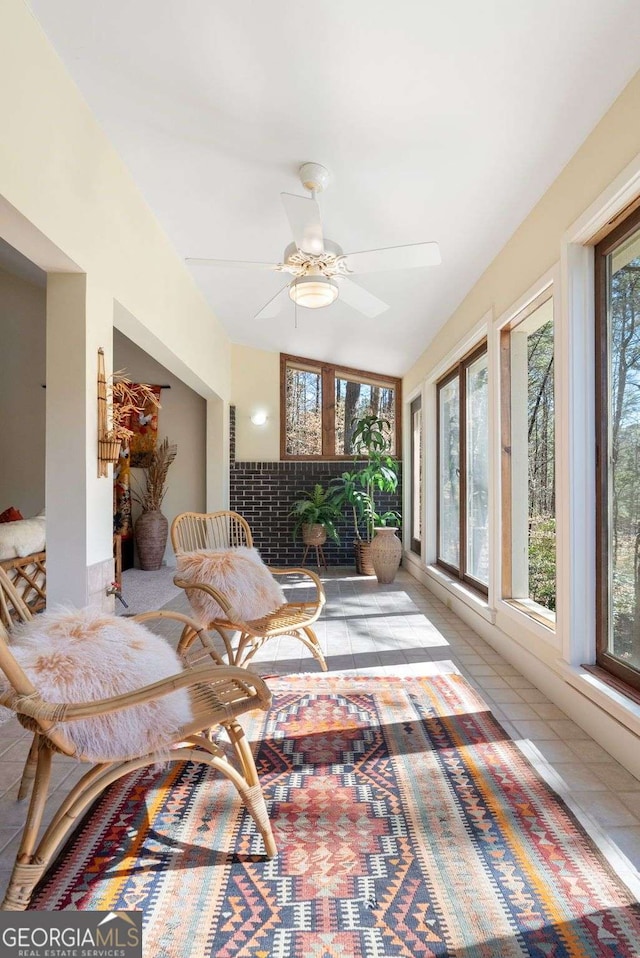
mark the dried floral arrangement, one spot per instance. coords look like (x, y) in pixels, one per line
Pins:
(127, 399)
(155, 474)
(118, 400)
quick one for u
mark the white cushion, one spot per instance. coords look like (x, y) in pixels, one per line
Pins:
(22, 537)
(239, 574)
(82, 655)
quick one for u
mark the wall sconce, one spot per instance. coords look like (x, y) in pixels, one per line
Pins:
(259, 417)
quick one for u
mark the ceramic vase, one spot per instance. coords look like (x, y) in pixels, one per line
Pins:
(151, 531)
(386, 552)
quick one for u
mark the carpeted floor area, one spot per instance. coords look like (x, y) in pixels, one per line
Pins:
(407, 822)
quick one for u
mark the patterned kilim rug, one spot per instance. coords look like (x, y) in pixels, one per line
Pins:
(407, 824)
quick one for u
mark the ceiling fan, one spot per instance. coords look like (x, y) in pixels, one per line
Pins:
(321, 270)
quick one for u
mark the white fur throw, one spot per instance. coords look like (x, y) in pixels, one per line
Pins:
(23, 537)
(81, 655)
(239, 574)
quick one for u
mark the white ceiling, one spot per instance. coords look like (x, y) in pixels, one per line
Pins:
(439, 121)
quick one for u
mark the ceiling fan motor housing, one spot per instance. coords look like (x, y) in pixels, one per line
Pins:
(314, 177)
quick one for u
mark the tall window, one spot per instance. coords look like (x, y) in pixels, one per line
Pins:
(618, 450)
(319, 402)
(463, 459)
(528, 461)
(416, 476)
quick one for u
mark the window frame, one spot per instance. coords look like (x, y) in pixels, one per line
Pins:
(458, 372)
(528, 606)
(328, 374)
(415, 460)
(604, 659)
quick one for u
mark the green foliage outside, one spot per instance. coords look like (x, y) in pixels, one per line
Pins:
(542, 561)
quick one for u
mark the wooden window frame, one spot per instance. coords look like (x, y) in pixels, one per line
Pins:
(458, 371)
(604, 659)
(506, 460)
(414, 544)
(329, 372)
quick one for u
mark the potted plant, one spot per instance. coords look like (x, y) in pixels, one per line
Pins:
(151, 527)
(371, 439)
(315, 514)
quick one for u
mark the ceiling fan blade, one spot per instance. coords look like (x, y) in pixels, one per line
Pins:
(273, 307)
(395, 257)
(234, 263)
(303, 214)
(360, 298)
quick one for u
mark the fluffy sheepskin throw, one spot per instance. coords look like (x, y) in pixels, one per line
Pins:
(23, 537)
(83, 655)
(240, 574)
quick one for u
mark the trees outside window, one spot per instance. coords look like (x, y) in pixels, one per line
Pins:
(463, 459)
(320, 402)
(618, 450)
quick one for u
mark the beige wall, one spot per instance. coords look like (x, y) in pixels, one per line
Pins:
(69, 204)
(22, 398)
(535, 246)
(255, 386)
(183, 419)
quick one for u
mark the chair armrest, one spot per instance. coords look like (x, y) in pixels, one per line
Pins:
(220, 598)
(40, 710)
(305, 572)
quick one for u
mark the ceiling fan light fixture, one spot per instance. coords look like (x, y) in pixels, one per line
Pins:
(313, 292)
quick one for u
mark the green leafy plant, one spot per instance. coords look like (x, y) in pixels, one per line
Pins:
(371, 438)
(317, 507)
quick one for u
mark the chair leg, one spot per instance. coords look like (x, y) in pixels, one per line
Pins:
(310, 639)
(253, 796)
(29, 771)
(27, 871)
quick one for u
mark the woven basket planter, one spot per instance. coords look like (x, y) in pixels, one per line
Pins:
(151, 531)
(364, 564)
(314, 535)
(109, 449)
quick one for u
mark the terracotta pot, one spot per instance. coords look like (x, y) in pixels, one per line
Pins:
(314, 535)
(151, 531)
(386, 552)
(364, 565)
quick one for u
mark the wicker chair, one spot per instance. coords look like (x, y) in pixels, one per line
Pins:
(218, 694)
(191, 531)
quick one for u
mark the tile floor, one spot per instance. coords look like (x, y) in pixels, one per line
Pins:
(402, 629)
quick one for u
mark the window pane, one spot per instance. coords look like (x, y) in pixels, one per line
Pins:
(533, 459)
(623, 312)
(354, 399)
(477, 460)
(449, 469)
(304, 412)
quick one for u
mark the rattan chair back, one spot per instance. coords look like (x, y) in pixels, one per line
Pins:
(191, 531)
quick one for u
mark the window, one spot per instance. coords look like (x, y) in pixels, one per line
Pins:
(319, 402)
(617, 272)
(416, 476)
(528, 460)
(463, 461)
